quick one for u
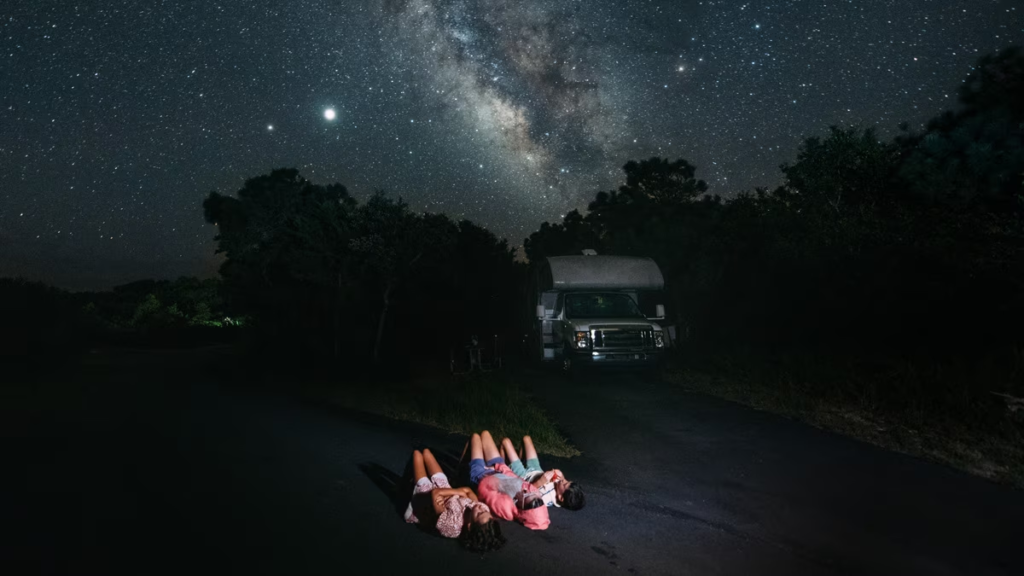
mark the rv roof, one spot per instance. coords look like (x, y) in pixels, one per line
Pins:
(601, 273)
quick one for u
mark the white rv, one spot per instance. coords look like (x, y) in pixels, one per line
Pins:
(587, 311)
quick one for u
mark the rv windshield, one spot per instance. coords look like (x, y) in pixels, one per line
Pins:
(605, 305)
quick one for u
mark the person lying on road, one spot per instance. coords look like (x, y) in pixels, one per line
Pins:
(458, 511)
(555, 488)
(507, 495)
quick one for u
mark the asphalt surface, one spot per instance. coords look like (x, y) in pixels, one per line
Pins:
(155, 466)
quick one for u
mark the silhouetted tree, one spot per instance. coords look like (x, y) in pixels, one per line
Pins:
(321, 230)
(849, 168)
(393, 244)
(662, 182)
(572, 236)
(975, 155)
(285, 243)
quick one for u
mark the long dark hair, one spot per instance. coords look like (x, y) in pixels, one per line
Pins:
(482, 537)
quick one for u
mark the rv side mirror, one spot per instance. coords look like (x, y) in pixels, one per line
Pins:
(659, 311)
(540, 311)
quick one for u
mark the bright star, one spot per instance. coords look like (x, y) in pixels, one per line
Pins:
(329, 114)
(270, 127)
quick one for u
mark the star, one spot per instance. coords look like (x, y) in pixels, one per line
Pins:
(330, 114)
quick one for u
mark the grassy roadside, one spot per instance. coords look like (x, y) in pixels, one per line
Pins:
(493, 401)
(973, 432)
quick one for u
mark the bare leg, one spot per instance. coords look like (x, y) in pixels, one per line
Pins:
(490, 450)
(431, 463)
(509, 451)
(528, 450)
(418, 469)
(476, 450)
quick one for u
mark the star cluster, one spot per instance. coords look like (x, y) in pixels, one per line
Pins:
(117, 118)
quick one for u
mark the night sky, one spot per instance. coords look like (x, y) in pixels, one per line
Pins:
(118, 117)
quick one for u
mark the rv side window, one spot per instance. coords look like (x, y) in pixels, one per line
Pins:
(558, 305)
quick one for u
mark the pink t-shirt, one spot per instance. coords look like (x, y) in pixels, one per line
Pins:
(496, 491)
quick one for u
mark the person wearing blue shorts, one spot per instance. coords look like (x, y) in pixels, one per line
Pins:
(479, 469)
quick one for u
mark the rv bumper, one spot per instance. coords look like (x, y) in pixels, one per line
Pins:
(625, 358)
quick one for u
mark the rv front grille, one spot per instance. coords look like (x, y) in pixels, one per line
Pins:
(625, 337)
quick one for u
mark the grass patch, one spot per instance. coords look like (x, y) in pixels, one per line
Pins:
(947, 415)
(493, 401)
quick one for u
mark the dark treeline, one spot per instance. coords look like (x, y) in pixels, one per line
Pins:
(327, 277)
(150, 305)
(41, 322)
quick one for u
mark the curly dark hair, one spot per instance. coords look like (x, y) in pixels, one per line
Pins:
(482, 537)
(573, 497)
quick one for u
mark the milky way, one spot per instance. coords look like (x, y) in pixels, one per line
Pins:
(117, 118)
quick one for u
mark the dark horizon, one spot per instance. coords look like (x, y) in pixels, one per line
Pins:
(67, 273)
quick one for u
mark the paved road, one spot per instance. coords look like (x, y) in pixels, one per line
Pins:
(743, 492)
(159, 468)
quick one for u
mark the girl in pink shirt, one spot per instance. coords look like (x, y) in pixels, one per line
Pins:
(508, 496)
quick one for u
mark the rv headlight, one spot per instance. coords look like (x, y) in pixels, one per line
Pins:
(582, 339)
(659, 339)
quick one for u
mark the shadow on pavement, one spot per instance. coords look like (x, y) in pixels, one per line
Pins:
(396, 487)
